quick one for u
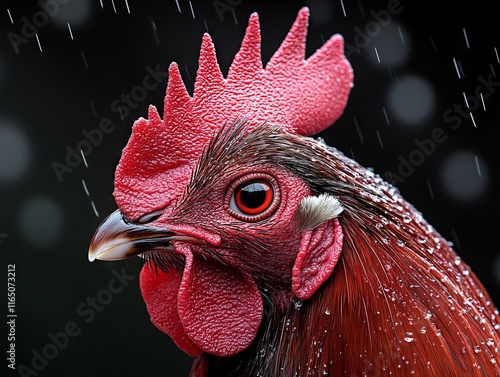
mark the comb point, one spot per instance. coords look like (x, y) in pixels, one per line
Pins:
(153, 115)
(248, 61)
(177, 95)
(209, 74)
(293, 48)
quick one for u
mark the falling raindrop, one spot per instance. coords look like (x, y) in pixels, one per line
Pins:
(38, 41)
(343, 8)
(385, 115)
(70, 31)
(84, 60)
(466, 39)
(429, 187)
(433, 44)
(12, 21)
(192, 10)
(379, 139)
(376, 53)
(456, 67)
(482, 101)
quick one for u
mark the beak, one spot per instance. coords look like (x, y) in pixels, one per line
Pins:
(117, 238)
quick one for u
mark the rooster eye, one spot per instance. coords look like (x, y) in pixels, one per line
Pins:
(253, 197)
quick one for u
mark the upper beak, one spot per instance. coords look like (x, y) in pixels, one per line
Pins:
(117, 239)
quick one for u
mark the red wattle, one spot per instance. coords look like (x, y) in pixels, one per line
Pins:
(159, 290)
(219, 307)
(209, 308)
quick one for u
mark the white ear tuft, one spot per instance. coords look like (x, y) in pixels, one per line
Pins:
(315, 210)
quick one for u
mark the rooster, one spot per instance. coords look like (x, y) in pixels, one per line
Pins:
(267, 252)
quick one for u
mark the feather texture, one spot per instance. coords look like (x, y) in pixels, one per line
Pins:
(400, 301)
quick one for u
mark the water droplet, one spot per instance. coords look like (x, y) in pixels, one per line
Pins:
(421, 239)
(297, 304)
(423, 330)
(321, 140)
(477, 348)
(407, 219)
(327, 311)
(428, 315)
(409, 337)
(400, 242)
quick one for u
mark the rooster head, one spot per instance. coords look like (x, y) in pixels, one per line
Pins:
(213, 195)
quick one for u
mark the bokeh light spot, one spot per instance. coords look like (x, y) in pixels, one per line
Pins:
(464, 176)
(14, 153)
(41, 222)
(411, 100)
(393, 45)
(76, 13)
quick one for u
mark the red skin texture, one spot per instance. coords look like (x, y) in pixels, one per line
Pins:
(220, 308)
(319, 252)
(208, 308)
(159, 291)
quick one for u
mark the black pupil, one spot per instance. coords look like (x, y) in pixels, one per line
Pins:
(253, 195)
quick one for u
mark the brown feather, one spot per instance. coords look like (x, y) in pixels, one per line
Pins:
(400, 301)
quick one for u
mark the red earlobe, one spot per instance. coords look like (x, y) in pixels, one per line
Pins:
(319, 252)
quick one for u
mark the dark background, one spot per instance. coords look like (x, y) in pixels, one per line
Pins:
(66, 81)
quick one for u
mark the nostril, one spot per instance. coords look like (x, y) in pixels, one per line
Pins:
(149, 217)
(126, 220)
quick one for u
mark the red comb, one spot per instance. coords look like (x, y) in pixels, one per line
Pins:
(302, 96)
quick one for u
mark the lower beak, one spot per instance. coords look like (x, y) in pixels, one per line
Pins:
(117, 239)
